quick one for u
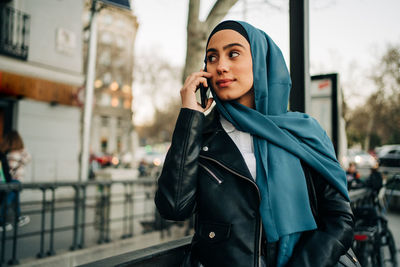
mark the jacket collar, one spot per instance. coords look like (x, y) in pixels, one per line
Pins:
(221, 147)
(212, 121)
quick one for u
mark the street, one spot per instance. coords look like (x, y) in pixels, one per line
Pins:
(394, 226)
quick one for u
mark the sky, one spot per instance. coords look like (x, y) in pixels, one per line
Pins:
(346, 36)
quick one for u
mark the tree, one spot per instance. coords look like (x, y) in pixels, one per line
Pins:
(161, 128)
(378, 121)
(156, 97)
(148, 71)
(197, 32)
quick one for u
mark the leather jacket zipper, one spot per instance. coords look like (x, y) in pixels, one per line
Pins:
(259, 196)
(211, 173)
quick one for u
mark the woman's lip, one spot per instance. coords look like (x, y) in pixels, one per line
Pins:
(224, 82)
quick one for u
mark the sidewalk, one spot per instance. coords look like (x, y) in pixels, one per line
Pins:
(394, 226)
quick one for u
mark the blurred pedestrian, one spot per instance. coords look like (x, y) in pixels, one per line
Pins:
(353, 177)
(375, 179)
(17, 157)
(251, 171)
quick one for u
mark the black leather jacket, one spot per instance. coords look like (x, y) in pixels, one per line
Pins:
(204, 173)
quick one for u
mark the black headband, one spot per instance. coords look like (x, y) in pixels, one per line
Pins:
(229, 25)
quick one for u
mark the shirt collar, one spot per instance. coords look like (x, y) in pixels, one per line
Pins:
(228, 127)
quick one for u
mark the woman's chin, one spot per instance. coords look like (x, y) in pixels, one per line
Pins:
(226, 97)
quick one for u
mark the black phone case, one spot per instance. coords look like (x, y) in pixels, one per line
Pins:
(203, 95)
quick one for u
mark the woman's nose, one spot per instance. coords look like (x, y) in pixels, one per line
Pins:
(222, 66)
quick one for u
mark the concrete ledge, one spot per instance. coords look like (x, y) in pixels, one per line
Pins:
(166, 254)
(87, 255)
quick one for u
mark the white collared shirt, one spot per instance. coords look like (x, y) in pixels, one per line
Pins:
(244, 142)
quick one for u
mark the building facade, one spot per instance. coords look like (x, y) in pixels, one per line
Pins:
(41, 69)
(112, 130)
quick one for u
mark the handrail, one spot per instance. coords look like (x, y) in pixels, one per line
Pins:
(96, 197)
(14, 186)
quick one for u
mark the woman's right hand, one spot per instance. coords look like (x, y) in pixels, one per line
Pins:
(188, 91)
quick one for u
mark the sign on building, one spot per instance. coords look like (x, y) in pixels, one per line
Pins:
(326, 105)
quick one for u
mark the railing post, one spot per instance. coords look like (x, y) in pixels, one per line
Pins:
(42, 229)
(107, 213)
(52, 214)
(13, 260)
(101, 214)
(131, 218)
(76, 218)
(83, 217)
(125, 216)
(128, 211)
(3, 225)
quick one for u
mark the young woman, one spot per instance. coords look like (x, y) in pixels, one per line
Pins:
(264, 183)
(12, 149)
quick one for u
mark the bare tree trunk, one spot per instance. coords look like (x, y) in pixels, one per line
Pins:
(197, 32)
(367, 141)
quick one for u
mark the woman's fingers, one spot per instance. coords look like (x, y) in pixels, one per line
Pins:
(194, 78)
(190, 87)
(209, 103)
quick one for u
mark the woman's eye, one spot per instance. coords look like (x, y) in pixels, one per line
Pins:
(233, 54)
(211, 58)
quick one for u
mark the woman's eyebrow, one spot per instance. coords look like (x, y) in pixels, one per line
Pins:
(225, 47)
(230, 45)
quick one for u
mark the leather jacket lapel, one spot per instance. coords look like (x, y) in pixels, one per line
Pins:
(218, 145)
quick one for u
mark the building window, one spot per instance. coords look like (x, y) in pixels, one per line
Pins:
(104, 121)
(105, 99)
(104, 144)
(120, 42)
(127, 104)
(107, 78)
(119, 144)
(126, 89)
(108, 19)
(106, 38)
(115, 102)
(114, 86)
(105, 58)
(98, 83)
(119, 122)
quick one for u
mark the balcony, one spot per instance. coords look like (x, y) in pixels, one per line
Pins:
(14, 32)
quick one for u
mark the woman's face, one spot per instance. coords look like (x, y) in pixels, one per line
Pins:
(229, 61)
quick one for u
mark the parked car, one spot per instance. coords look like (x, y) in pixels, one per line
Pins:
(150, 162)
(361, 158)
(389, 156)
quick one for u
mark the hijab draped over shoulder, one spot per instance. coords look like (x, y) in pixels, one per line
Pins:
(281, 139)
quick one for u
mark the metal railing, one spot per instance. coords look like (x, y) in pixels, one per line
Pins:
(87, 212)
(14, 32)
(171, 254)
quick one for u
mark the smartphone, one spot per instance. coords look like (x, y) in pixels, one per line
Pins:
(204, 91)
(203, 95)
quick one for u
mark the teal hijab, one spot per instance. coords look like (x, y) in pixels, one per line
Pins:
(281, 141)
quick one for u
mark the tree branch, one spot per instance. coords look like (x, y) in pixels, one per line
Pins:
(218, 12)
(193, 15)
